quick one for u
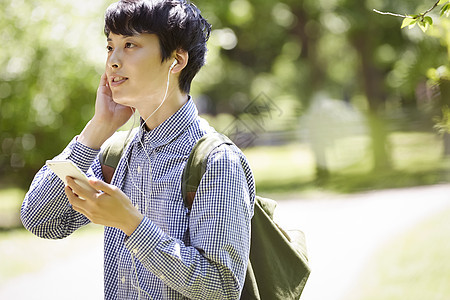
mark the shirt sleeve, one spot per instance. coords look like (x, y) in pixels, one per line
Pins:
(214, 265)
(46, 211)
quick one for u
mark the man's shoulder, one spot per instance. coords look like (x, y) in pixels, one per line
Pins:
(198, 129)
(195, 132)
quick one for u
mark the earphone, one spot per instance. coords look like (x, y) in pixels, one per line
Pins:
(173, 65)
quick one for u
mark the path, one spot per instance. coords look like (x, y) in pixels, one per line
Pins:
(342, 233)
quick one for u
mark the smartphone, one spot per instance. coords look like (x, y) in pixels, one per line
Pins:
(63, 168)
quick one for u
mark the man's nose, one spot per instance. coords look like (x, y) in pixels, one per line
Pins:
(114, 60)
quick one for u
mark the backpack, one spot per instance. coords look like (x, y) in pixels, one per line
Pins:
(278, 265)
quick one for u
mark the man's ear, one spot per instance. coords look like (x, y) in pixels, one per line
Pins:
(182, 58)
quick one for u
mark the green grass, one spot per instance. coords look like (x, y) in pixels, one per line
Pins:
(288, 169)
(415, 151)
(282, 168)
(10, 201)
(413, 266)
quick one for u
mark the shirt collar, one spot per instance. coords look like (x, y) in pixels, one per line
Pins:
(170, 128)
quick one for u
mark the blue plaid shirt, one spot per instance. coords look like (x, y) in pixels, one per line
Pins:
(174, 253)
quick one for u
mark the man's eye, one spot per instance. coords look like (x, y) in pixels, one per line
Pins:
(109, 48)
(129, 45)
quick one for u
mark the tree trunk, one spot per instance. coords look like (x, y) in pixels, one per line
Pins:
(373, 87)
(308, 40)
(444, 86)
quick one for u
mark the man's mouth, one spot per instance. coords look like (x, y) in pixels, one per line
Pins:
(118, 80)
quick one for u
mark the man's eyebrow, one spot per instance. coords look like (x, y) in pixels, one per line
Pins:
(124, 37)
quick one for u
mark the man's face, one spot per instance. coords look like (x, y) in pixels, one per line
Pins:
(134, 69)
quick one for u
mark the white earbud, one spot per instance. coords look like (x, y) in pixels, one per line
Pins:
(173, 64)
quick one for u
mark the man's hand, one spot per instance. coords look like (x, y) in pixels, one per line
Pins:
(106, 110)
(109, 206)
(109, 116)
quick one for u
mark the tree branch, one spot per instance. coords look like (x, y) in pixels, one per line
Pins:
(408, 16)
(390, 14)
(430, 9)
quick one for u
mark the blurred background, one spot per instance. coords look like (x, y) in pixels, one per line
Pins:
(341, 113)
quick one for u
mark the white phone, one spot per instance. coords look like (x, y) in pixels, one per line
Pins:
(63, 168)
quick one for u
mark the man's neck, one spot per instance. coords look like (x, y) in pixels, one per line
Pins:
(170, 106)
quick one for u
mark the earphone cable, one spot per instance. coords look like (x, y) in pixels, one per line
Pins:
(150, 171)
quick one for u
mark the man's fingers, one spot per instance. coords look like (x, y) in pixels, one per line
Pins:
(80, 190)
(102, 186)
(103, 80)
(103, 86)
(73, 198)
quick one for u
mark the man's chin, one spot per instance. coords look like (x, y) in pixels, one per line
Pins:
(121, 100)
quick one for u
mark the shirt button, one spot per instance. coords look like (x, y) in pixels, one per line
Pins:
(123, 279)
(135, 251)
(137, 206)
(139, 169)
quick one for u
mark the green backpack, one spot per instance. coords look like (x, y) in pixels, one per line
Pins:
(278, 266)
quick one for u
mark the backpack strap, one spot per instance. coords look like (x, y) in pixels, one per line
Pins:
(112, 152)
(197, 162)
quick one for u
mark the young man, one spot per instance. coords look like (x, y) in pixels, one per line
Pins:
(155, 247)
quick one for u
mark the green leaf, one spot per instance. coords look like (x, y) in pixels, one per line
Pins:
(423, 25)
(428, 20)
(409, 22)
(445, 10)
(442, 2)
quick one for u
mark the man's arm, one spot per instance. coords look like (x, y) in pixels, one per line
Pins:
(45, 210)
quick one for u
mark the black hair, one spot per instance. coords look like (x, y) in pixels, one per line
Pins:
(177, 23)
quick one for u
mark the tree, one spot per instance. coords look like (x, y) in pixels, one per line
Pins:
(47, 80)
(288, 51)
(441, 78)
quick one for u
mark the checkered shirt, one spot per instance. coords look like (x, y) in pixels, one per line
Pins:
(174, 253)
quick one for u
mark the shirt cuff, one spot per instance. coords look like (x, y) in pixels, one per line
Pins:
(144, 239)
(80, 154)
